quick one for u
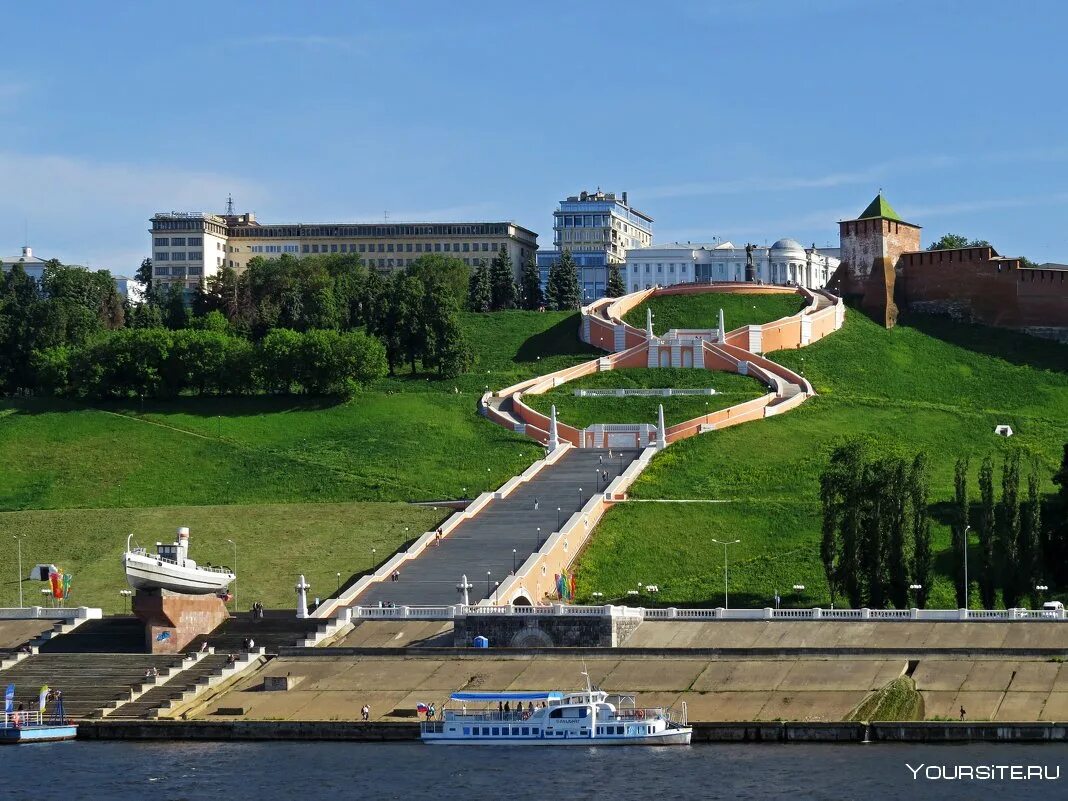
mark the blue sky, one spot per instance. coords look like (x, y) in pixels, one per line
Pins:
(746, 120)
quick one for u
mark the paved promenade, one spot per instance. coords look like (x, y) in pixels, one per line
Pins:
(485, 543)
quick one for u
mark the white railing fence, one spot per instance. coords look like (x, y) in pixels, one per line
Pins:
(675, 613)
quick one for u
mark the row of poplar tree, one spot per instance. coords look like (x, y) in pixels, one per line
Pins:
(876, 530)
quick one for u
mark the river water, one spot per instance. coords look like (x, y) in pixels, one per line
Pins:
(118, 771)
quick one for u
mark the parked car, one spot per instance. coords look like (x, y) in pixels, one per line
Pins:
(1052, 609)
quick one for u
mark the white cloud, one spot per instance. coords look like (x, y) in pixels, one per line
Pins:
(79, 210)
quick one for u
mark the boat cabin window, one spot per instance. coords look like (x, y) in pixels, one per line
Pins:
(467, 731)
(526, 731)
(572, 712)
(496, 731)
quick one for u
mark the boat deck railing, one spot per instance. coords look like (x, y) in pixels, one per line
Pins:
(158, 558)
(17, 720)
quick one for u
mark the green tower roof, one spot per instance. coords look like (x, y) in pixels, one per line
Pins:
(879, 208)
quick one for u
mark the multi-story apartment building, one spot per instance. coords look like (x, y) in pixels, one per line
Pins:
(187, 246)
(785, 262)
(598, 228)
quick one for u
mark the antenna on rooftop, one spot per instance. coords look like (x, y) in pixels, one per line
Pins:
(229, 204)
(385, 216)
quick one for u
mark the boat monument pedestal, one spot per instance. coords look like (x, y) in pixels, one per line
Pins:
(173, 620)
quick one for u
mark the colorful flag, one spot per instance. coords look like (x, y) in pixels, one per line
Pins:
(56, 580)
(572, 588)
(66, 585)
(42, 699)
(9, 699)
(422, 708)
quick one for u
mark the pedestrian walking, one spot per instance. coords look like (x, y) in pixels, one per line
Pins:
(962, 714)
(365, 713)
(537, 503)
(600, 458)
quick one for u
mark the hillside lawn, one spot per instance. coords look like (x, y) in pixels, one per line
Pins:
(702, 311)
(731, 389)
(289, 478)
(930, 384)
(275, 543)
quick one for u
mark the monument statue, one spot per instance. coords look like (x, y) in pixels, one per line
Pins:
(750, 268)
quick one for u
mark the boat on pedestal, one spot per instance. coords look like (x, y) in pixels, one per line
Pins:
(170, 568)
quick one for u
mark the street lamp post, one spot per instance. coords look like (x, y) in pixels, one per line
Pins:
(513, 561)
(126, 596)
(537, 539)
(967, 588)
(580, 497)
(916, 591)
(799, 588)
(726, 605)
(339, 581)
(235, 573)
(496, 586)
(557, 518)
(18, 539)
(489, 585)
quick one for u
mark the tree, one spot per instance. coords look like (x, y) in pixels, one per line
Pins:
(479, 297)
(446, 347)
(987, 578)
(957, 241)
(143, 276)
(1056, 546)
(841, 492)
(502, 282)
(530, 286)
(563, 292)
(960, 529)
(278, 356)
(616, 288)
(1008, 527)
(1031, 538)
(176, 312)
(921, 529)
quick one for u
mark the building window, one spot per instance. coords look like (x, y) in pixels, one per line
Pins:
(437, 247)
(178, 240)
(195, 240)
(162, 255)
(382, 248)
(408, 247)
(178, 256)
(466, 247)
(195, 255)
(333, 248)
(304, 248)
(161, 241)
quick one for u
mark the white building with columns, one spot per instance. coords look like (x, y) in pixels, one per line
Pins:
(786, 262)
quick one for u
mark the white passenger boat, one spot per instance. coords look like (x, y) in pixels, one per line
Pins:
(170, 568)
(553, 718)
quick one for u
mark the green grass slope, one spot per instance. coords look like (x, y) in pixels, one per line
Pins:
(286, 477)
(730, 389)
(929, 384)
(702, 311)
(276, 542)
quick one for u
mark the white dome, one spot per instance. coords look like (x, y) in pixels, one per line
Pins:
(788, 244)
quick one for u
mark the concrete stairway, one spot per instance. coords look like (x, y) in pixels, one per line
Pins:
(277, 628)
(117, 634)
(90, 682)
(485, 542)
(190, 680)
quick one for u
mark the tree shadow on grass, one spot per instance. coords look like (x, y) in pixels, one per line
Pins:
(561, 339)
(1013, 347)
(226, 406)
